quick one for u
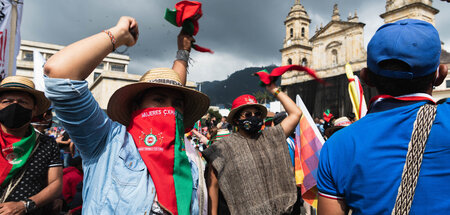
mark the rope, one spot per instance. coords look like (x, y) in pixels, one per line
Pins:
(416, 149)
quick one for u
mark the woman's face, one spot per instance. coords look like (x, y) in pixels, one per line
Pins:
(163, 97)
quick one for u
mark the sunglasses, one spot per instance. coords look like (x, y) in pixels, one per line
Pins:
(249, 114)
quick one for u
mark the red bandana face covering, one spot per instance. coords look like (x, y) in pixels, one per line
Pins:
(158, 134)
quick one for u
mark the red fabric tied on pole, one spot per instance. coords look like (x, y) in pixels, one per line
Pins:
(189, 10)
(267, 78)
(202, 49)
(186, 15)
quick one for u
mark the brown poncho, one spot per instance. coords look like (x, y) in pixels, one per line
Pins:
(255, 175)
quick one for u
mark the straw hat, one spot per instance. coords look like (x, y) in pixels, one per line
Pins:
(196, 104)
(23, 84)
(242, 102)
(338, 124)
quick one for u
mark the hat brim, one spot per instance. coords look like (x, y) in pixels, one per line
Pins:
(196, 104)
(41, 101)
(262, 108)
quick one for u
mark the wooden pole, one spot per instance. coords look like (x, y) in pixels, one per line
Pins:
(12, 37)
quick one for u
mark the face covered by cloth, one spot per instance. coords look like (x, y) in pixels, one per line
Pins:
(159, 136)
(252, 125)
(15, 116)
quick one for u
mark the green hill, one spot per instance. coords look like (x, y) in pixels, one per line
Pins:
(222, 93)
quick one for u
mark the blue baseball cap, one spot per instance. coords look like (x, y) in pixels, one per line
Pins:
(412, 41)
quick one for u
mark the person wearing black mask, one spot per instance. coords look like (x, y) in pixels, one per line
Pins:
(43, 121)
(250, 171)
(30, 167)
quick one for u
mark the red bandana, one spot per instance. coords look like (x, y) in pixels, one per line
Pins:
(158, 133)
(15, 152)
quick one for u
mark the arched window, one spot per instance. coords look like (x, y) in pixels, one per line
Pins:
(303, 32)
(304, 62)
(291, 32)
(334, 57)
(289, 61)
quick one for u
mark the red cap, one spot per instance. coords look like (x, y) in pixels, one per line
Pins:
(245, 101)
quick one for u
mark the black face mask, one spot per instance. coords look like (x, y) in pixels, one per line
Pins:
(251, 124)
(15, 116)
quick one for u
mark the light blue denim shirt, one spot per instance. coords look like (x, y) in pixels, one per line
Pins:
(116, 179)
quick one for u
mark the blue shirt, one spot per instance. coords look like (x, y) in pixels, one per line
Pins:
(291, 145)
(363, 163)
(116, 179)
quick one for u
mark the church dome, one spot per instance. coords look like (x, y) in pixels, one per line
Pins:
(297, 11)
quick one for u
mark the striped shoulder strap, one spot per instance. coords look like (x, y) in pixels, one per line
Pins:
(411, 169)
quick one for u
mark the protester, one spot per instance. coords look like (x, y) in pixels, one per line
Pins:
(72, 176)
(43, 122)
(223, 124)
(338, 124)
(134, 160)
(202, 191)
(250, 171)
(66, 147)
(31, 171)
(362, 166)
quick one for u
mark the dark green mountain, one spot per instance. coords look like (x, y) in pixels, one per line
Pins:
(222, 93)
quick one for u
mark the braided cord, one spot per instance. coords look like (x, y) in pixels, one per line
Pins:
(416, 149)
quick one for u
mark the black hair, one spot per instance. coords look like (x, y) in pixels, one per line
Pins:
(398, 87)
(279, 117)
(76, 161)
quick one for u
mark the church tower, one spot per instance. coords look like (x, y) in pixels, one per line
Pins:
(409, 9)
(296, 46)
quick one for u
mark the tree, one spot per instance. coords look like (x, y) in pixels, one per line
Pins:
(263, 97)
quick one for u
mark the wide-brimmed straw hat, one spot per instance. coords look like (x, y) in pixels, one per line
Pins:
(242, 102)
(24, 84)
(120, 106)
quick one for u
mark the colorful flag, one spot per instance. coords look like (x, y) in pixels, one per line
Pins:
(356, 93)
(308, 141)
(10, 19)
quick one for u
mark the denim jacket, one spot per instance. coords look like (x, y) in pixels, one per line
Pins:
(116, 179)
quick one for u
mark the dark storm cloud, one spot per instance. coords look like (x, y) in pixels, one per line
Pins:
(242, 33)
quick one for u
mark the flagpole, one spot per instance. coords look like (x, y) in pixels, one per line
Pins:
(12, 36)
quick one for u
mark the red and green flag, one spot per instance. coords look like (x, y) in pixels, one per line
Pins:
(159, 137)
(186, 15)
(266, 78)
(15, 153)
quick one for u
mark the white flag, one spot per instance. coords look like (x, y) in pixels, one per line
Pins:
(39, 62)
(8, 34)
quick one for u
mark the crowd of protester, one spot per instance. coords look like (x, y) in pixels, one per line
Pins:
(156, 150)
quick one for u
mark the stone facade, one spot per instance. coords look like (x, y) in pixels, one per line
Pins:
(327, 51)
(409, 9)
(109, 75)
(340, 41)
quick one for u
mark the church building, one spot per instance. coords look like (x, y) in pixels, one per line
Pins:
(330, 47)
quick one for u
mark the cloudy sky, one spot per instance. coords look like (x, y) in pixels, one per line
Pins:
(242, 33)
